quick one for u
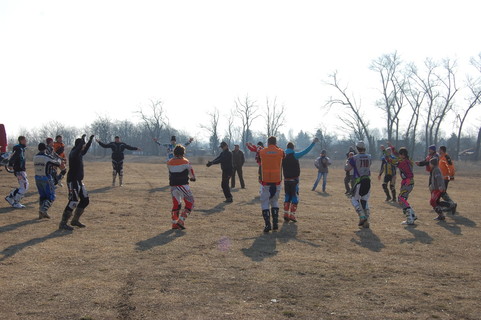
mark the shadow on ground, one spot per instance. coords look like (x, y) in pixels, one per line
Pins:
(159, 240)
(14, 249)
(369, 240)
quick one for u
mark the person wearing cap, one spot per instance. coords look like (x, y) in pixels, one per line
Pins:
(322, 164)
(292, 171)
(271, 178)
(256, 149)
(118, 147)
(171, 146)
(437, 188)
(405, 165)
(446, 165)
(17, 164)
(361, 164)
(425, 163)
(59, 148)
(78, 198)
(389, 171)
(238, 160)
(44, 166)
(225, 160)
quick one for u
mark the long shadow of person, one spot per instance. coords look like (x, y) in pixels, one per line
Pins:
(159, 240)
(450, 226)
(419, 236)
(100, 190)
(264, 246)
(14, 226)
(463, 221)
(368, 240)
(218, 208)
(14, 249)
(289, 232)
(154, 190)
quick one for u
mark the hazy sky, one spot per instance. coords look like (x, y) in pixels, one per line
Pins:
(72, 61)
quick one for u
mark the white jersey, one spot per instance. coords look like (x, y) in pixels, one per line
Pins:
(43, 164)
(361, 165)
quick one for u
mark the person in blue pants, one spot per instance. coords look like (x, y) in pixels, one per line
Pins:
(291, 171)
(322, 164)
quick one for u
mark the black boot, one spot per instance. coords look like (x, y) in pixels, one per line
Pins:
(65, 216)
(266, 214)
(386, 191)
(275, 218)
(76, 217)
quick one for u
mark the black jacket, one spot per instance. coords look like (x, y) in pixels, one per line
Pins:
(225, 160)
(238, 158)
(290, 167)
(76, 163)
(17, 160)
(118, 149)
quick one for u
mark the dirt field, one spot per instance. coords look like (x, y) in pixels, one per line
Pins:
(129, 264)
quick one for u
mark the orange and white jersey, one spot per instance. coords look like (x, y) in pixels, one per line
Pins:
(180, 170)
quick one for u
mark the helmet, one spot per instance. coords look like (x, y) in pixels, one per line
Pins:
(360, 145)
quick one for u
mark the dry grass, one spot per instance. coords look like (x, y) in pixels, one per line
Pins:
(128, 264)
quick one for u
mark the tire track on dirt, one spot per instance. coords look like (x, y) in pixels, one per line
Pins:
(125, 307)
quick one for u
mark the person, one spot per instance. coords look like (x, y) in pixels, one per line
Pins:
(405, 165)
(322, 164)
(349, 178)
(437, 188)
(59, 148)
(78, 198)
(238, 160)
(118, 147)
(425, 163)
(17, 164)
(256, 149)
(361, 165)
(389, 171)
(225, 160)
(43, 164)
(291, 171)
(50, 151)
(180, 172)
(171, 146)
(446, 165)
(271, 178)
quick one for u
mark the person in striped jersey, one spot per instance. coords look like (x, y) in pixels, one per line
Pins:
(180, 172)
(44, 165)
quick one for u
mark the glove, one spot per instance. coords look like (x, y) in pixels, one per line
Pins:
(209, 163)
(91, 137)
(452, 178)
(192, 179)
(83, 136)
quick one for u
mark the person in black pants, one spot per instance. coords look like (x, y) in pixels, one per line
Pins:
(238, 161)
(78, 198)
(225, 160)
(118, 147)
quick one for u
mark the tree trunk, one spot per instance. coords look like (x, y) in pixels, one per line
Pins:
(478, 145)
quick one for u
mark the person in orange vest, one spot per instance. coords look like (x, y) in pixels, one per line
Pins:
(270, 179)
(446, 165)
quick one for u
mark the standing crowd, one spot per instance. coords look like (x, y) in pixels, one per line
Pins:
(274, 166)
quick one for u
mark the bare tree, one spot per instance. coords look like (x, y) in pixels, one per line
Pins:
(102, 129)
(392, 81)
(414, 97)
(212, 128)
(353, 119)
(155, 120)
(274, 117)
(474, 98)
(246, 110)
(448, 84)
(230, 131)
